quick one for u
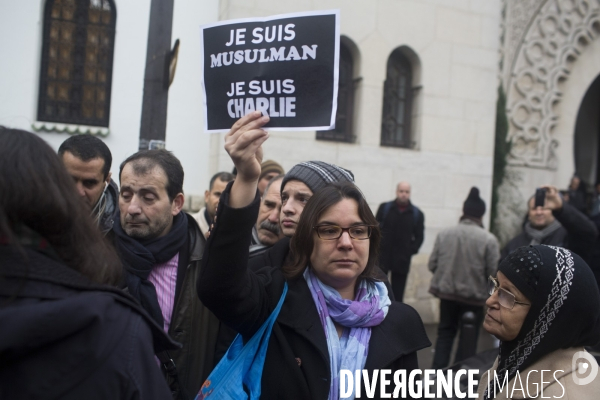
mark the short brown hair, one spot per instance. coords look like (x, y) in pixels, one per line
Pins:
(302, 243)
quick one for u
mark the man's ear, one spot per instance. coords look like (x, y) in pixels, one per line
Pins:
(206, 196)
(108, 178)
(177, 204)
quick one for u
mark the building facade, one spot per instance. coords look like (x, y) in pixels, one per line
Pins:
(74, 30)
(550, 64)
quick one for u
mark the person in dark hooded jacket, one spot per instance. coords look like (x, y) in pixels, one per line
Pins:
(66, 334)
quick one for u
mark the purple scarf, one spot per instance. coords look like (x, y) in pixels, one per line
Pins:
(368, 309)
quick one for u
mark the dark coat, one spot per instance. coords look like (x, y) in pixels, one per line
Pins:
(63, 337)
(192, 324)
(297, 361)
(107, 219)
(594, 257)
(577, 234)
(274, 256)
(402, 236)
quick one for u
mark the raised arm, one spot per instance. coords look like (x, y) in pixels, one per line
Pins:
(238, 297)
(582, 232)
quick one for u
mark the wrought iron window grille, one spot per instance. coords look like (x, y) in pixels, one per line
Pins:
(398, 94)
(77, 60)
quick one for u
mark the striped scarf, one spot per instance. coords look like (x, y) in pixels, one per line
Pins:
(368, 309)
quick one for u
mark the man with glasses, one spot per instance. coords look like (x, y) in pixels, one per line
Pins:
(462, 258)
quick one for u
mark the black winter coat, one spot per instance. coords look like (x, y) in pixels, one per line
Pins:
(577, 234)
(274, 256)
(63, 337)
(297, 361)
(402, 236)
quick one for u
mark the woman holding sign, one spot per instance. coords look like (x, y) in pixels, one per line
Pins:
(336, 317)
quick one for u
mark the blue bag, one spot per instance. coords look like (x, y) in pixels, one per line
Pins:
(240, 370)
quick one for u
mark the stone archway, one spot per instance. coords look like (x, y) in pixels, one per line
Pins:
(557, 36)
(578, 149)
(587, 134)
(551, 70)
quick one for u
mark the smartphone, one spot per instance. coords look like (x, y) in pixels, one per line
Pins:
(540, 197)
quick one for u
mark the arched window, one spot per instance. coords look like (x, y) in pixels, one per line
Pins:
(397, 101)
(345, 100)
(77, 59)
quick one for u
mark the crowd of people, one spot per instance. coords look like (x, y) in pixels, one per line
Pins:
(111, 290)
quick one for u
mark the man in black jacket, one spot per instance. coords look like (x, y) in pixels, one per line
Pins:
(402, 226)
(557, 224)
(88, 161)
(161, 248)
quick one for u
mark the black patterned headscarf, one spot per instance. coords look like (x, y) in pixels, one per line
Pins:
(565, 305)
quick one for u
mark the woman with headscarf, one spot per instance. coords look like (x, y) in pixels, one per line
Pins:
(336, 315)
(544, 307)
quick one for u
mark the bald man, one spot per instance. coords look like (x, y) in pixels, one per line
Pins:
(402, 225)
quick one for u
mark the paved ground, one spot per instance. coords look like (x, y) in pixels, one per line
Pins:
(485, 342)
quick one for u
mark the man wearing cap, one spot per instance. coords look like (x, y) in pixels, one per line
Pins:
(402, 229)
(462, 259)
(268, 170)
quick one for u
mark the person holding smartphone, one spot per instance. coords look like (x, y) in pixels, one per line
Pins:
(552, 221)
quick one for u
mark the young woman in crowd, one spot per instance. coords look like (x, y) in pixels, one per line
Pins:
(544, 307)
(65, 334)
(335, 315)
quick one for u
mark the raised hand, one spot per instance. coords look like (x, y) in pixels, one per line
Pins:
(243, 144)
(553, 199)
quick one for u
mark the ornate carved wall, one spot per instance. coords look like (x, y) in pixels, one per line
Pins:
(539, 63)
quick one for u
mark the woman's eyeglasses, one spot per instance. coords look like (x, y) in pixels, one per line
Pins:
(333, 232)
(505, 298)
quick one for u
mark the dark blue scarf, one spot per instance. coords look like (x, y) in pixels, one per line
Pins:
(140, 256)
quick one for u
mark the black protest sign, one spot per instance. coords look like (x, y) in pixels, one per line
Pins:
(285, 66)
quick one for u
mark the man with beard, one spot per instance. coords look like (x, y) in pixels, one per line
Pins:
(87, 159)
(267, 232)
(161, 248)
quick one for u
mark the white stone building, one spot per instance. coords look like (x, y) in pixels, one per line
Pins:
(550, 67)
(21, 27)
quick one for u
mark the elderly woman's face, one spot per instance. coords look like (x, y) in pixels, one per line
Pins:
(500, 321)
(339, 262)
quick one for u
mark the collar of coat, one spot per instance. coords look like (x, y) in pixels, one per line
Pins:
(197, 241)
